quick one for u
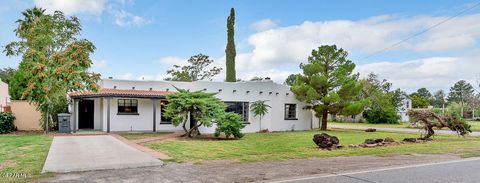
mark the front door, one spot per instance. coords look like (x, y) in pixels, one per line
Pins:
(85, 114)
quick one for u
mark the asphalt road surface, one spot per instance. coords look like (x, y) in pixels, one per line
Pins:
(460, 171)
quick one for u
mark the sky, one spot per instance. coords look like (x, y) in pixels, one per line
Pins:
(142, 39)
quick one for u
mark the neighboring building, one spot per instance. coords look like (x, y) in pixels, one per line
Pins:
(4, 97)
(402, 111)
(137, 105)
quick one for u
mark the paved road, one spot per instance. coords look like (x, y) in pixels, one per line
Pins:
(97, 152)
(462, 171)
(409, 130)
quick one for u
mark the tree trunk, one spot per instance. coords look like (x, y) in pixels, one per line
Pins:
(461, 110)
(189, 132)
(184, 128)
(46, 122)
(324, 120)
(260, 123)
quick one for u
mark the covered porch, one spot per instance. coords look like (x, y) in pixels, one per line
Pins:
(112, 109)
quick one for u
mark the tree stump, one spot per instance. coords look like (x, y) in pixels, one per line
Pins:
(325, 141)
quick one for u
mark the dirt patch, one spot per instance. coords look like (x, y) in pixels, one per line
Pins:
(228, 171)
(7, 164)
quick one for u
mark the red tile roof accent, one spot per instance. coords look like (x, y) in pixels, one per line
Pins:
(119, 92)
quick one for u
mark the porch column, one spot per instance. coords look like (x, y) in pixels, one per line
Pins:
(108, 114)
(75, 112)
(154, 101)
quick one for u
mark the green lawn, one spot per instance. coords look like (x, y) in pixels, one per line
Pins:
(475, 125)
(23, 154)
(138, 136)
(401, 125)
(292, 145)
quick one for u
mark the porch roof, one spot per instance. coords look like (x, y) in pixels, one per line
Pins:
(127, 93)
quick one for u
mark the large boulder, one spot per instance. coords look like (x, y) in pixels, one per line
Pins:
(326, 141)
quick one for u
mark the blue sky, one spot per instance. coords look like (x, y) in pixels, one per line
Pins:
(142, 39)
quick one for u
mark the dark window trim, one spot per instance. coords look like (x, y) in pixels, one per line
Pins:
(285, 114)
(247, 121)
(131, 102)
(127, 113)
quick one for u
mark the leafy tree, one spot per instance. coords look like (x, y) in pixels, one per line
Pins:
(54, 60)
(383, 102)
(376, 116)
(328, 84)
(6, 74)
(461, 91)
(230, 49)
(203, 107)
(230, 124)
(18, 83)
(423, 92)
(439, 98)
(290, 79)
(259, 108)
(418, 101)
(196, 70)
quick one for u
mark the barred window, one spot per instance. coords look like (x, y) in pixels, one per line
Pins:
(291, 111)
(127, 106)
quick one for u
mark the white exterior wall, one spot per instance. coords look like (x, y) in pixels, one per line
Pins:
(273, 120)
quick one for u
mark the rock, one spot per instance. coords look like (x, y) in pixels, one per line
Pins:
(425, 139)
(371, 145)
(325, 141)
(370, 130)
(389, 140)
(369, 141)
(410, 139)
(378, 141)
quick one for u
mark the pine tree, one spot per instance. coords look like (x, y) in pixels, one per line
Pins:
(230, 50)
(328, 84)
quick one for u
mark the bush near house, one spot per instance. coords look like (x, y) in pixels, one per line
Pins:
(230, 124)
(6, 122)
(378, 116)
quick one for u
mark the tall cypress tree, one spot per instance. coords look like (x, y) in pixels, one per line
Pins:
(230, 50)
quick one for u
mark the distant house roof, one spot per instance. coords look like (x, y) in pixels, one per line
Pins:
(127, 93)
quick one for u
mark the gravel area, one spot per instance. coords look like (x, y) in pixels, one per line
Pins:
(228, 171)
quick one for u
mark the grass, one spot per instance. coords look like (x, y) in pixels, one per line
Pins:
(138, 136)
(295, 145)
(475, 125)
(401, 125)
(23, 155)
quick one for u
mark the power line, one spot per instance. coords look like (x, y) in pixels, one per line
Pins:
(423, 31)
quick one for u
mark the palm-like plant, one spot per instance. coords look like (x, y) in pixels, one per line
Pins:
(259, 108)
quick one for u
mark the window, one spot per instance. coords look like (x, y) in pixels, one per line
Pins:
(127, 106)
(291, 111)
(240, 108)
(163, 119)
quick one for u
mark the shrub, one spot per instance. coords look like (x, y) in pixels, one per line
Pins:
(6, 122)
(376, 116)
(230, 124)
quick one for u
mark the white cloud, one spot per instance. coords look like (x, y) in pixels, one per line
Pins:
(69, 7)
(264, 24)
(433, 73)
(171, 60)
(127, 19)
(292, 44)
(99, 63)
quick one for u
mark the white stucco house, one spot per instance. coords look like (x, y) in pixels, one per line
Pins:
(137, 105)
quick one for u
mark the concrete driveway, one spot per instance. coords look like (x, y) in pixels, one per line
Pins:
(96, 152)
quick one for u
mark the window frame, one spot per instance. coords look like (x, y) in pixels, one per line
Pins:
(285, 114)
(245, 112)
(131, 102)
